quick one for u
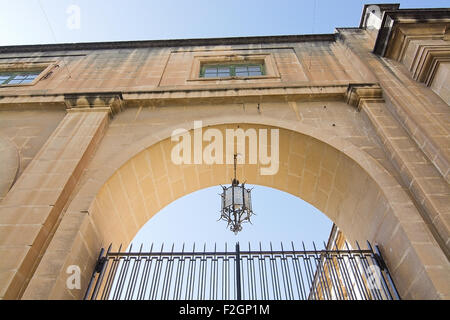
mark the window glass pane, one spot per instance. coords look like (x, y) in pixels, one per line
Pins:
(210, 70)
(18, 77)
(15, 81)
(254, 68)
(210, 75)
(3, 79)
(241, 69)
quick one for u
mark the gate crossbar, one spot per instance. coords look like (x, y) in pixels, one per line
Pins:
(341, 274)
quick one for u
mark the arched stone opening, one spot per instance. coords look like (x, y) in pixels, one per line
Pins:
(309, 169)
(350, 188)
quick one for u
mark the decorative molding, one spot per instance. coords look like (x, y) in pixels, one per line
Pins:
(238, 95)
(394, 23)
(416, 38)
(168, 43)
(359, 93)
(112, 102)
(427, 60)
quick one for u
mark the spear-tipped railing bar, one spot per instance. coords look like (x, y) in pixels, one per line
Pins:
(333, 275)
(344, 273)
(288, 273)
(94, 273)
(385, 269)
(238, 274)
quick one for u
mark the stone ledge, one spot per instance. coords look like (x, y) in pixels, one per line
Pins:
(168, 43)
(94, 102)
(359, 93)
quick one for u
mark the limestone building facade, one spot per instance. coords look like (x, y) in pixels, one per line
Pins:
(363, 116)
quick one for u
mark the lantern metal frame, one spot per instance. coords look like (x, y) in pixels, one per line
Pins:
(236, 204)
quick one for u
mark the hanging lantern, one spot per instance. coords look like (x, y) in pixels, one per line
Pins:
(236, 204)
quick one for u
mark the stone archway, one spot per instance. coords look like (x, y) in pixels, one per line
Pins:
(352, 189)
(309, 169)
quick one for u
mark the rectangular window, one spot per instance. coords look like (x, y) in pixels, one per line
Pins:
(18, 77)
(231, 70)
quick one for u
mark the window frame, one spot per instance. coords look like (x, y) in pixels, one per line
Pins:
(43, 68)
(226, 58)
(13, 73)
(232, 69)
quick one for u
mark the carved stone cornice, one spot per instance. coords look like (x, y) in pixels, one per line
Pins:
(111, 102)
(358, 93)
(399, 26)
(114, 45)
(427, 61)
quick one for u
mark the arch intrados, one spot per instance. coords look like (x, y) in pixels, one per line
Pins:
(374, 171)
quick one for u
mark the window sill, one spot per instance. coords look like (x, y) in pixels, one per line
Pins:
(233, 78)
(7, 85)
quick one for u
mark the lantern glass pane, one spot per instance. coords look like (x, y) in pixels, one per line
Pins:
(238, 196)
(248, 199)
(228, 200)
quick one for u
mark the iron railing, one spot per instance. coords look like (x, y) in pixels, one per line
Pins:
(286, 274)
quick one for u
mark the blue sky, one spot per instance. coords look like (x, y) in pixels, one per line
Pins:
(45, 21)
(280, 216)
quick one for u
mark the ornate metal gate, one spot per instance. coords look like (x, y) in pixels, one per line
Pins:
(286, 274)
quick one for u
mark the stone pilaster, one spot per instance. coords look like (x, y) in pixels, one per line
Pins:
(425, 184)
(31, 211)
